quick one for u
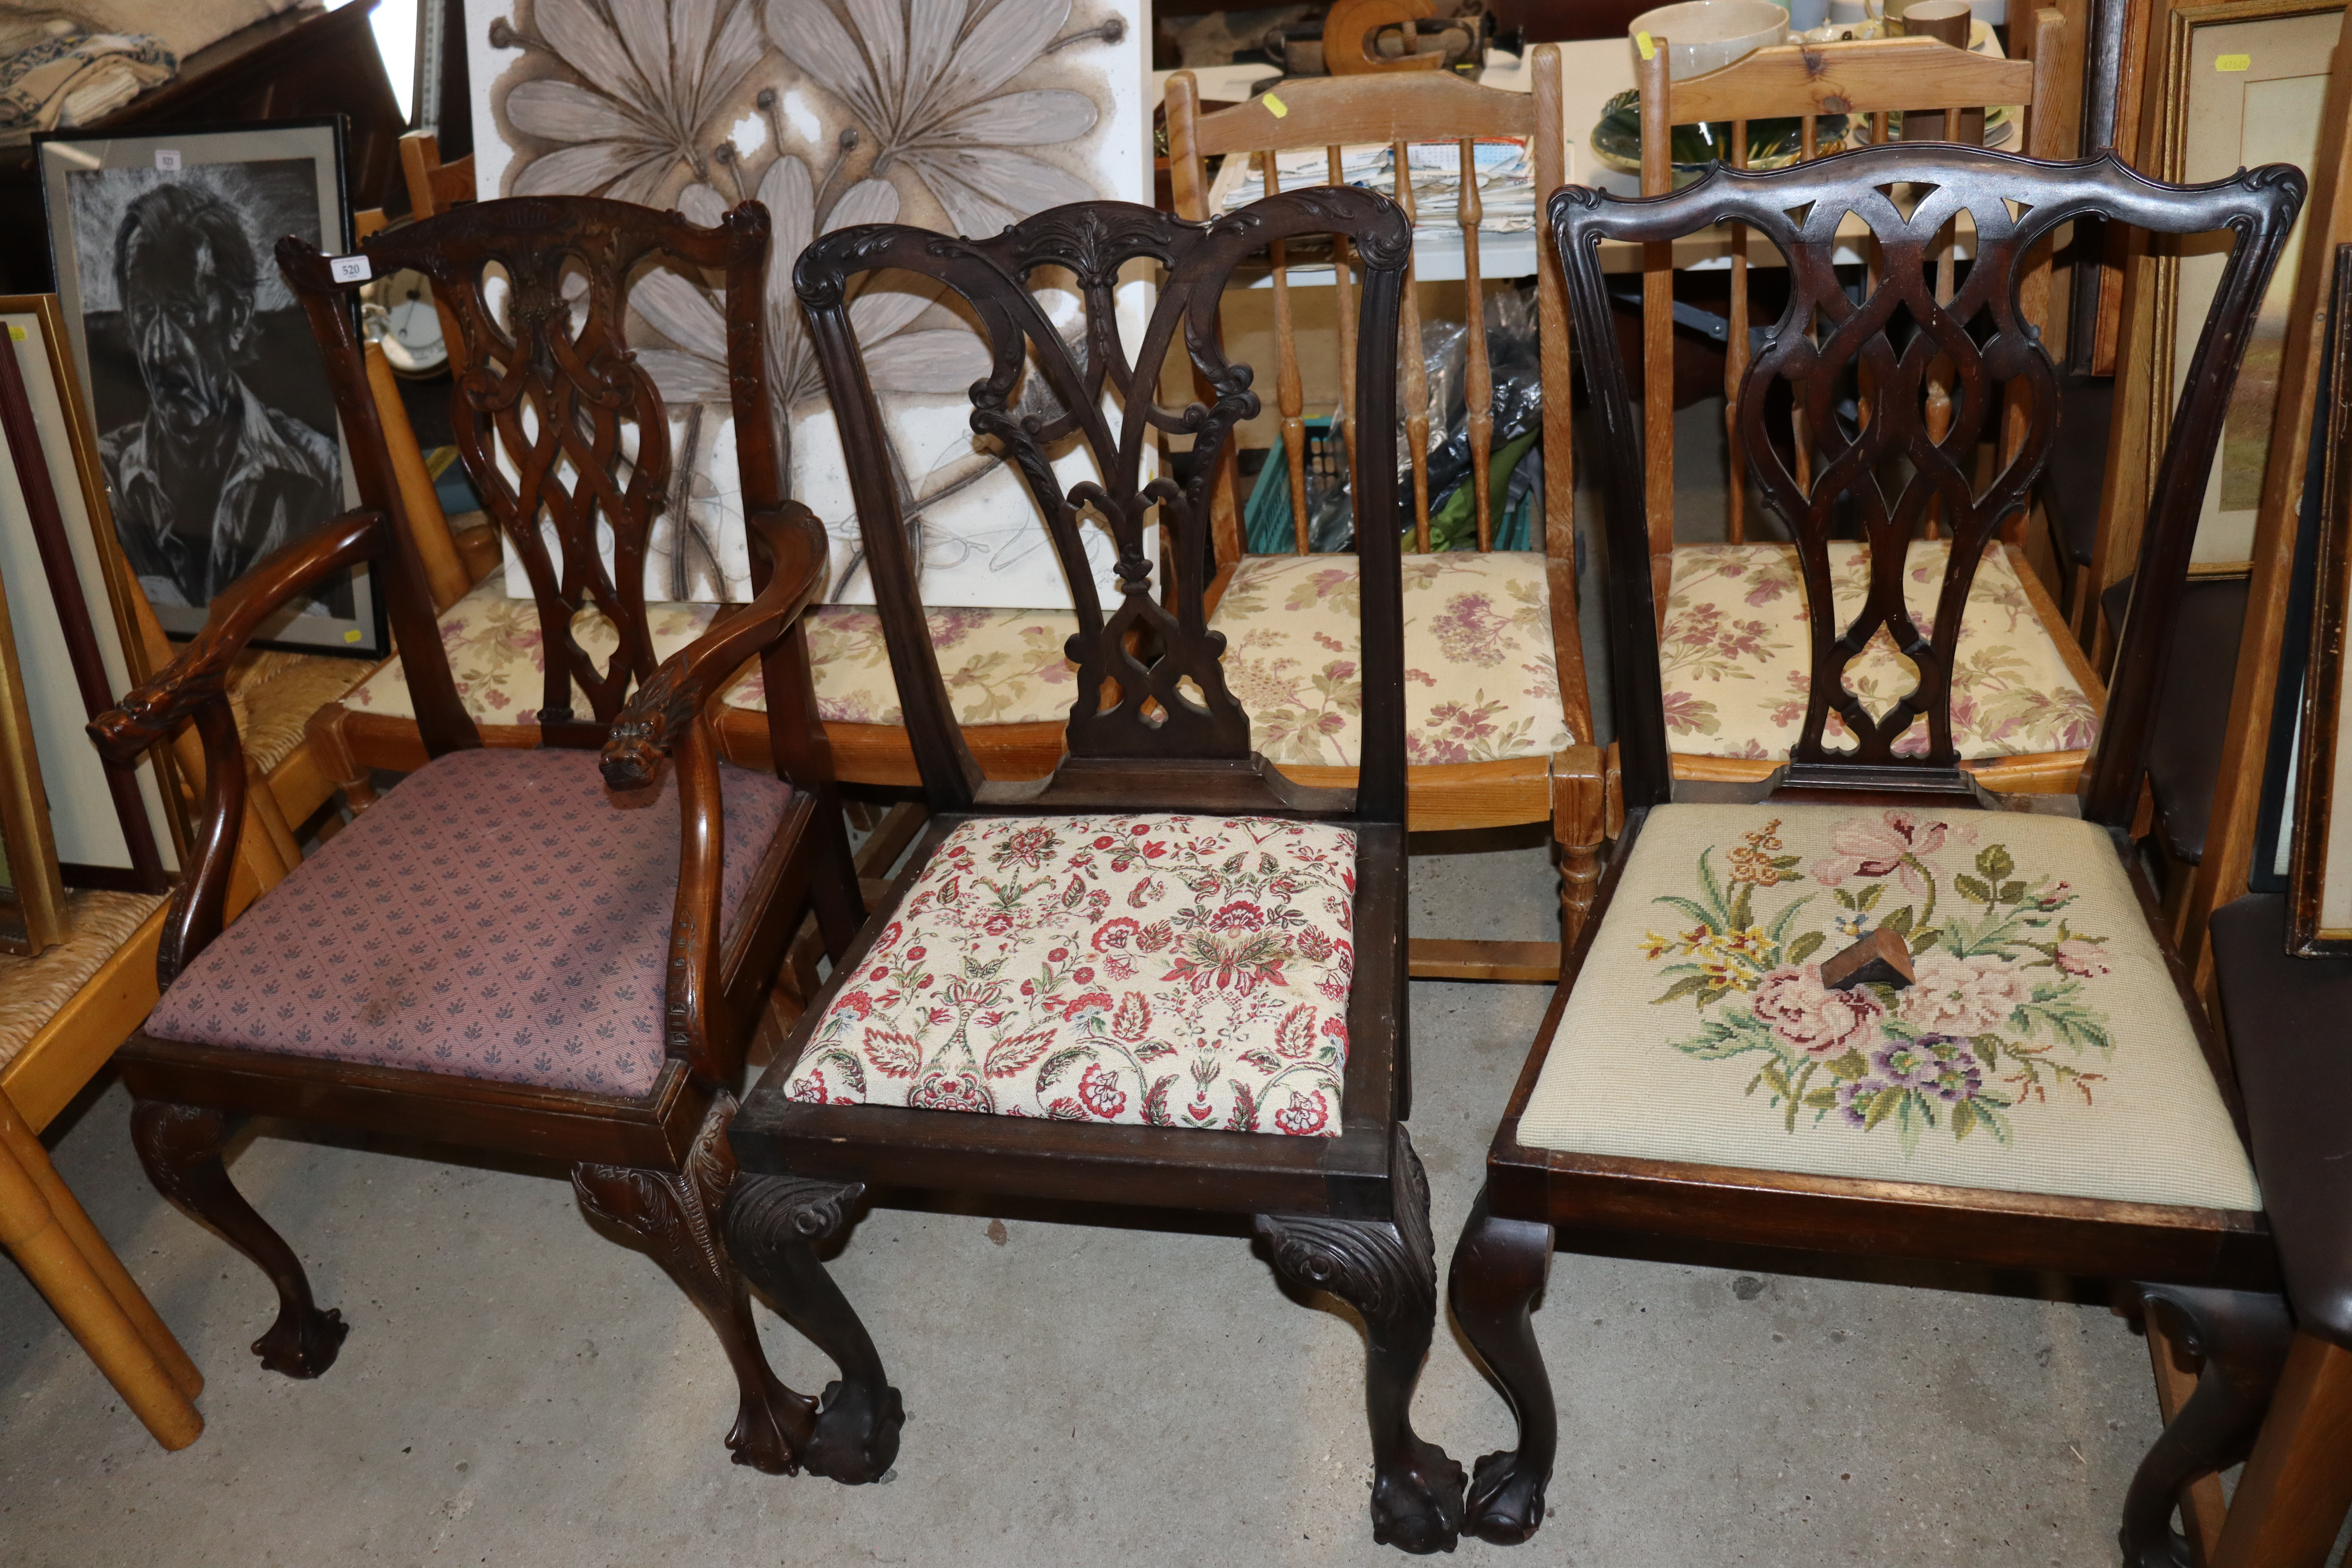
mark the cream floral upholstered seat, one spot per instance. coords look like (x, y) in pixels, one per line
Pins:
(1165, 970)
(1003, 666)
(2040, 1046)
(1481, 682)
(1736, 659)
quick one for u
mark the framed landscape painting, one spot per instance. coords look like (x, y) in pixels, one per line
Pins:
(216, 425)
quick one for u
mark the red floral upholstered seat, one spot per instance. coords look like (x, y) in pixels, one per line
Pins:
(494, 917)
(1172, 971)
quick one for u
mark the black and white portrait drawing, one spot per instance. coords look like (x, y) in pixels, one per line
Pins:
(959, 115)
(216, 421)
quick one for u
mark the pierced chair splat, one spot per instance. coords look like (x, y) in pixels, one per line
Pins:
(1866, 1006)
(494, 955)
(1167, 975)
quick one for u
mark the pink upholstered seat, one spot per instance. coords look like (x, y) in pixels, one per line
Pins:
(494, 917)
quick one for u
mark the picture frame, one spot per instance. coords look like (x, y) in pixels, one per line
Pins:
(2226, 86)
(2316, 837)
(70, 596)
(32, 892)
(216, 431)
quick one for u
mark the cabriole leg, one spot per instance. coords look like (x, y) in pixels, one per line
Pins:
(1499, 1268)
(775, 1224)
(2243, 1338)
(1387, 1270)
(676, 1217)
(181, 1145)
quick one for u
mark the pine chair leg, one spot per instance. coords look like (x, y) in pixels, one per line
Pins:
(2243, 1337)
(1387, 1270)
(676, 1215)
(333, 752)
(774, 1225)
(1578, 826)
(1499, 1268)
(180, 1145)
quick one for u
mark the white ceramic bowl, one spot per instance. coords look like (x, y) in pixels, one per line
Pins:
(1707, 35)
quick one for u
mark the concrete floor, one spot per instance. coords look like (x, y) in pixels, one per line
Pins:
(517, 1389)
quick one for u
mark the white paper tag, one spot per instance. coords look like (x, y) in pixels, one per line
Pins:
(349, 269)
(168, 160)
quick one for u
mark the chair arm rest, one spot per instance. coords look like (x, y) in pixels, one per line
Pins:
(151, 710)
(660, 711)
(195, 685)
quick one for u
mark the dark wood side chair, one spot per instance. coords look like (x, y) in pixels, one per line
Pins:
(1167, 975)
(1866, 1007)
(496, 956)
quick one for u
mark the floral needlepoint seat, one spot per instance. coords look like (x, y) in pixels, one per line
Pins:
(2038, 1046)
(1162, 971)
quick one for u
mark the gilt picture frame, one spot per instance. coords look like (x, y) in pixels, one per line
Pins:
(216, 431)
(2317, 835)
(32, 892)
(2228, 85)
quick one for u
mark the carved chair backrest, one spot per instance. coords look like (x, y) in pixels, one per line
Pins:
(1151, 699)
(563, 433)
(1934, 87)
(1887, 464)
(1396, 111)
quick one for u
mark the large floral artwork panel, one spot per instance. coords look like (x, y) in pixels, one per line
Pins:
(2030, 1038)
(1177, 971)
(959, 115)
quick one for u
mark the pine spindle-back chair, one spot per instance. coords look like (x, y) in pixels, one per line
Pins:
(1868, 1007)
(1499, 723)
(495, 955)
(1731, 617)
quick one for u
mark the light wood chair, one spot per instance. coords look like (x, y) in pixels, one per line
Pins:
(1474, 617)
(1731, 617)
(101, 1306)
(62, 1014)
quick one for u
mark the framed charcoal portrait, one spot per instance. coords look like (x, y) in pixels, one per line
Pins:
(214, 420)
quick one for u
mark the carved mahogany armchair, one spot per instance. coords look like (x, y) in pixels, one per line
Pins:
(495, 955)
(1865, 1007)
(1167, 975)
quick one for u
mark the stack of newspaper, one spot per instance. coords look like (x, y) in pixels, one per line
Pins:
(1507, 179)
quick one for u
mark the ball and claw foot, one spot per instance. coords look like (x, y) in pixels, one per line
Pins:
(1507, 1503)
(857, 1437)
(760, 1438)
(303, 1341)
(1418, 1509)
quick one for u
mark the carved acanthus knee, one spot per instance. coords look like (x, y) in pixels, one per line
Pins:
(776, 1223)
(1387, 1270)
(676, 1216)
